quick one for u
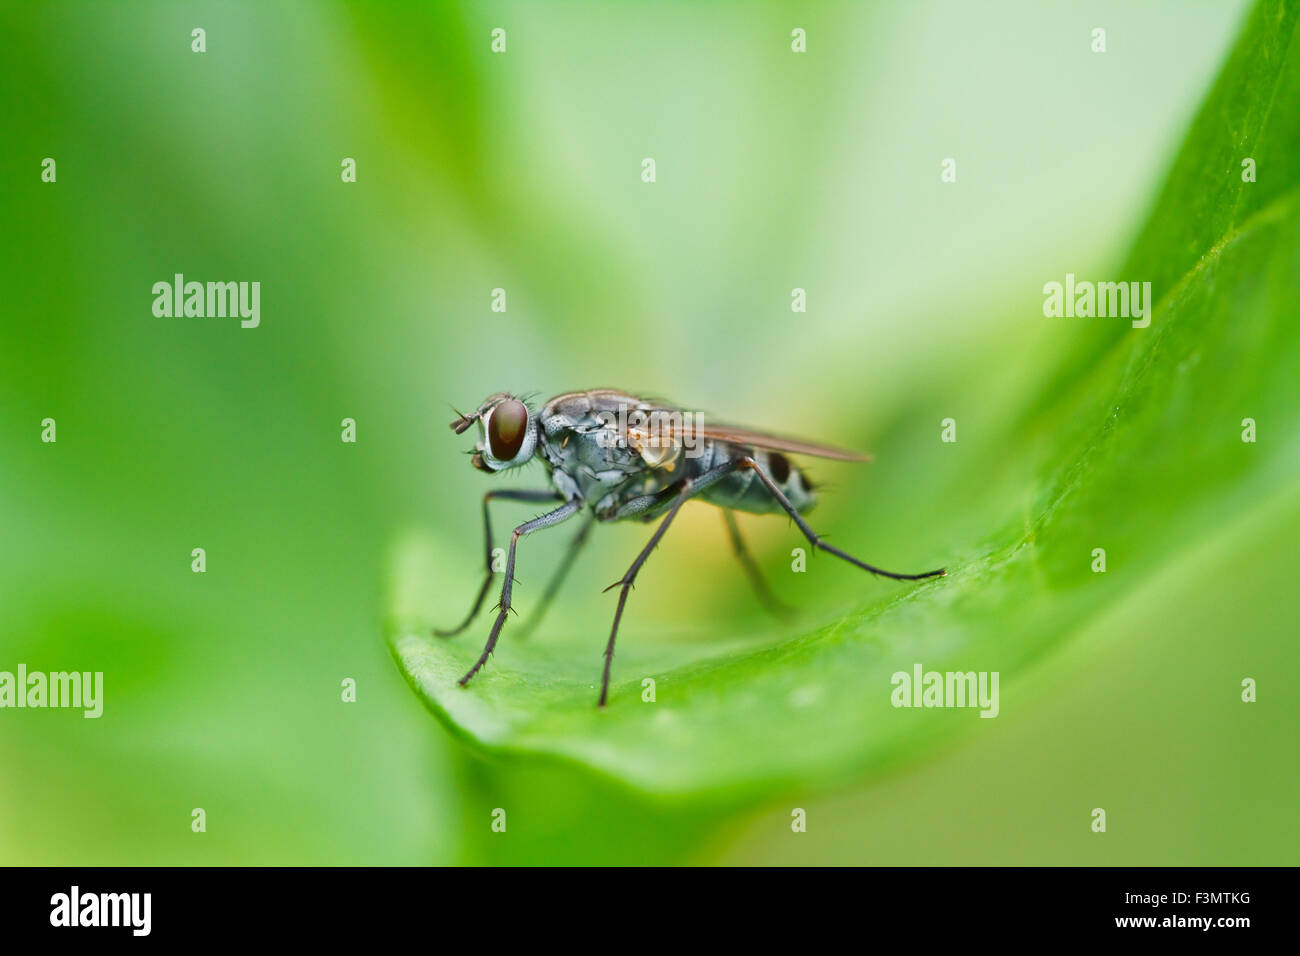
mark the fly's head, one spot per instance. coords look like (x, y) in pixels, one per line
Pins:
(507, 433)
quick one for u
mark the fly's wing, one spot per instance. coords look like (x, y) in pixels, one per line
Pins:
(664, 429)
(769, 442)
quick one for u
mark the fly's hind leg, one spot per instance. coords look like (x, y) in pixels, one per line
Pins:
(765, 595)
(821, 545)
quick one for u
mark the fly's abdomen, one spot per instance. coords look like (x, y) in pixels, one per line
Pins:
(745, 491)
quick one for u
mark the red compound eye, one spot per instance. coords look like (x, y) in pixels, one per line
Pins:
(506, 428)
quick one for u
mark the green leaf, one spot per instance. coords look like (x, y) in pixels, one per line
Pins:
(1135, 447)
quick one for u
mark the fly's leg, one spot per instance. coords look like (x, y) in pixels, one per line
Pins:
(565, 511)
(644, 506)
(557, 579)
(629, 577)
(817, 542)
(506, 494)
(765, 595)
(685, 489)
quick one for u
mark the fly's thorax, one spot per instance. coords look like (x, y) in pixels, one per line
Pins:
(583, 430)
(583, 463)
(629, 432)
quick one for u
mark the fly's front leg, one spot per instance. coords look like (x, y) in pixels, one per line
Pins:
(557, 579)
(506, 494)
(566, 510)
(818, 543)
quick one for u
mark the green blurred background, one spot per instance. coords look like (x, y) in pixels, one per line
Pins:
(522, 171)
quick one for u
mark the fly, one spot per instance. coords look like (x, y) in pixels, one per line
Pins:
(616, 457)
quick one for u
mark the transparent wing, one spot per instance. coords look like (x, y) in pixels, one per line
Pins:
(668, 424)
(770, 442)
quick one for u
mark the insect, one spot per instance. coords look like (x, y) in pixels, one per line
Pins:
(619, 457)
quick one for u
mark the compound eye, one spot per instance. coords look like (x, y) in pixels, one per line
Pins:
(507, 425)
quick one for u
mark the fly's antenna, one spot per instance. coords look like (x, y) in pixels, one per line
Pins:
(462, 421)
